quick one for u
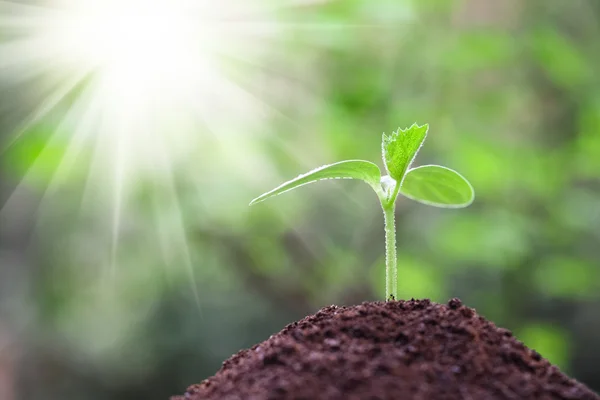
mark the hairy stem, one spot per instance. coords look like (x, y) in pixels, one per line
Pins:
(387, 195)
(391, 269)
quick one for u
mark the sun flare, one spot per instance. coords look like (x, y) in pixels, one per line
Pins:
(149, 65)
(133, 87)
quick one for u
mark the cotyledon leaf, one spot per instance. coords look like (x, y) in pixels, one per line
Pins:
(350, 169)
(437, 186)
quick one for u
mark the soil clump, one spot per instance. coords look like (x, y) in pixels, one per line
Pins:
(400, 350)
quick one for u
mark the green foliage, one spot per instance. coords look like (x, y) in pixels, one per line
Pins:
(560, 57)
(549, 340)
(437, 186)
(568, 278)
(509, 92)
(351, 169)
(33, 156)
(401, 147)
(430, 184)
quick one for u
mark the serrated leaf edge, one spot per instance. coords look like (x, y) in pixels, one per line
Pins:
(396, 132)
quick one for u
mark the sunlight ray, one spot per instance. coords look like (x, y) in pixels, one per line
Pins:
(80, 117)
(46, 106)
(80, 120)
(137, 87)
(178, 232)
(78, 113)
(117, 203)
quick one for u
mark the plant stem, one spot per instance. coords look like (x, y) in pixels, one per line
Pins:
(391, 269)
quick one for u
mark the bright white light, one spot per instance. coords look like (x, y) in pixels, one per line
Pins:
(139, 49)
(136, 85)
(143, 59)
(137, 88)
(148, 60)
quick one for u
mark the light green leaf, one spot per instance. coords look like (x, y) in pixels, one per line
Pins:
(400, 149)
(350, 169)
(437, 186)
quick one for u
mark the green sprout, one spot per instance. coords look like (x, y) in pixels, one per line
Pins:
(433, 185)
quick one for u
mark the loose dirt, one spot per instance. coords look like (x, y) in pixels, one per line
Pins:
(401, 350)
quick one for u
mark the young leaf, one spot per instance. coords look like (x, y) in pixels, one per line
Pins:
(400, 148)
(437, 186)
(350, 169)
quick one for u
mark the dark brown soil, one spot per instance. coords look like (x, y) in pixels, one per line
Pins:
(396, 350)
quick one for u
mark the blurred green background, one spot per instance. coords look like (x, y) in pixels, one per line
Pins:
(512, 95)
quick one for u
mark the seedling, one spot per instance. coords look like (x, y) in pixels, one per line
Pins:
(433, 185)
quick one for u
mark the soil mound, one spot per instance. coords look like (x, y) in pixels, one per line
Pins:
(398, 350)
